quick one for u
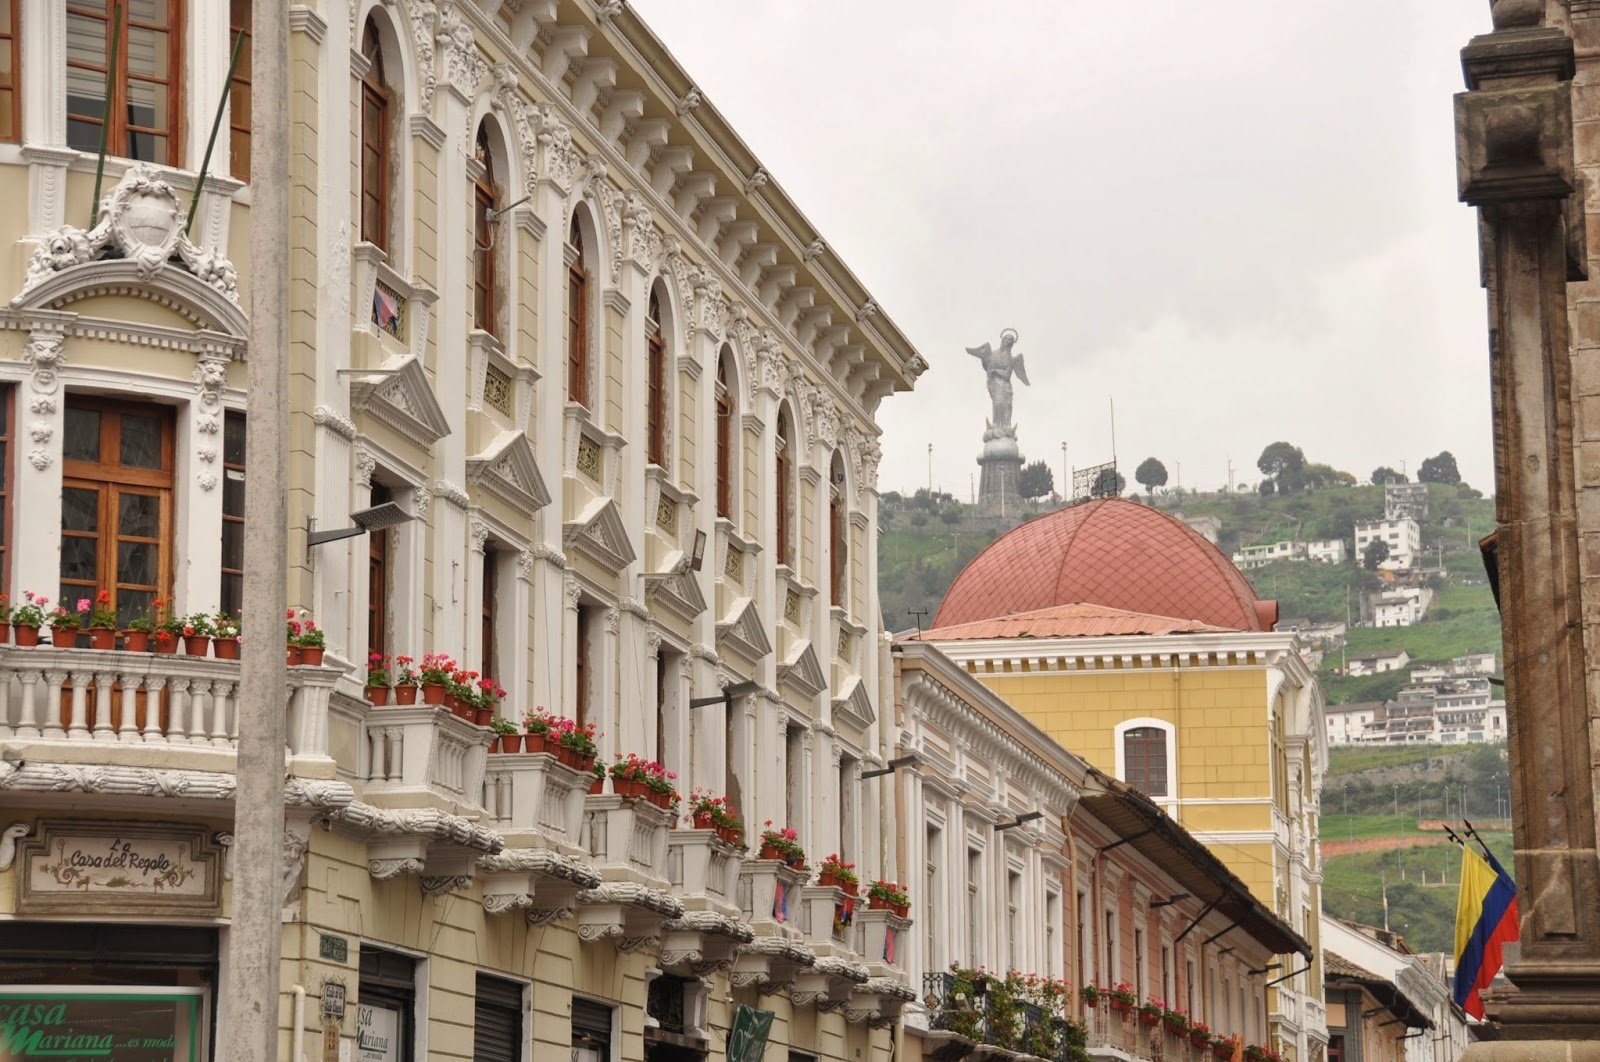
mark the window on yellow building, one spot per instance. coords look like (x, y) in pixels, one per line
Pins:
(1144, 752)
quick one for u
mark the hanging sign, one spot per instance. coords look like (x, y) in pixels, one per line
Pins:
(747, 1040)
(127, 867)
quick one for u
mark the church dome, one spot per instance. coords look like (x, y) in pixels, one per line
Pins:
(1116, 553)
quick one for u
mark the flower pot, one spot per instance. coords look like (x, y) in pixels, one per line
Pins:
(378, 695)
(406, 694)
(875, 903)
(828, 877)
(164, 642)
(1199, 1039)
(432, 693)
(660, 800)
(25, 635)
(1222, 1050)
(769, 852)
(534, 742)
(510, 742)
(851, 888)
(703, 821)
(623, 787)
(102, 638)
(452, 700)
(797, 864)
(62, 639)
(730, 834)
(463, 711)
(483, 716)
(136, 641)
(296, 655)
(568, 756)
(1149, 1019)
(586, 762)
(311, 655)
(1177, 1030)
(902, 910)
(5, 631)
(597, 787)
(197, 644)
(225, 648)
(1120, 1006)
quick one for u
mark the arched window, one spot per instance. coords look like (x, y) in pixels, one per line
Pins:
(143, 119)
(484, 310)
(784, 473)
(655, 410)
(1144, 758)
(724, 441)
(375, 101)
(577, 319)
(839, 550)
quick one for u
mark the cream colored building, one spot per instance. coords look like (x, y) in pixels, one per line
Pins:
(548, 303)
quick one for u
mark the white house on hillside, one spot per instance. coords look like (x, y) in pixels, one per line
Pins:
(1401, 607)
(1402, 536)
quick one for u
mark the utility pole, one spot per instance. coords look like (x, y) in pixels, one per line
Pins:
(1066, 483)
(250, 1004)
(1230, 475)
(930, 472)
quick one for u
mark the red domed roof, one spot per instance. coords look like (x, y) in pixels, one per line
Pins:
(1115, 553)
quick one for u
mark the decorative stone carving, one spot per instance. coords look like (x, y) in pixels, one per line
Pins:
(608, 10)
(814, 249)
(522, 119)
(558, 159)
(142, 218)
(643, 243)
(868, 310)
(464, 66)
(435, 885)
(296, 842)
(613, 619)
(525, 560)
(44, 355)
(365, 465)
(450, 492)
(479, 532)
(755, 181)
(572, 592)
(210, 376)
(652, 643)
(335, 421)
(223, 841)
(384, 869)
(689, 102)
(8, 843)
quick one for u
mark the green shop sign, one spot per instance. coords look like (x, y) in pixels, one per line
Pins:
(124, 1023)
(747, 1040)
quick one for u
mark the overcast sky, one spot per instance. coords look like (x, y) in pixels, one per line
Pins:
(1239, 218)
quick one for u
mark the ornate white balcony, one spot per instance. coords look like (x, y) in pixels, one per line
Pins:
(424, 753)
(534, 798)
(704, 871)
(628, 843)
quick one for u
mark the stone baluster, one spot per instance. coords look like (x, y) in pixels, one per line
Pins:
(222, 696)
(128, 724)
(54, 681)
(5, 706)
(178, 710)
(154, 686)
(28, 714)
(78, 725)
(103, 682)
(199, 701)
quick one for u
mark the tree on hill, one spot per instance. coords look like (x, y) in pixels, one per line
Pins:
(1439, 469)
(1383, 475)
(1108, 484)
(1035, 480)
(1286, 465)
(1376, 553)
(1318, 476)
(1151, 474)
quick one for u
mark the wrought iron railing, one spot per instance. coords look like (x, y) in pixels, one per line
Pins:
(983, 1010)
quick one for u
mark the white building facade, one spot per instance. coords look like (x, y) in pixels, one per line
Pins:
(1403, 536)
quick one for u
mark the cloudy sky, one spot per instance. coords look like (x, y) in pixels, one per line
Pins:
(1236, 218)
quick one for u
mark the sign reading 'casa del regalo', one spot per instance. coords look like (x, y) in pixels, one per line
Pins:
(129, 868)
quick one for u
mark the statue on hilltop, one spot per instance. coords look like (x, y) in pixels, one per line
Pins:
(999, 366)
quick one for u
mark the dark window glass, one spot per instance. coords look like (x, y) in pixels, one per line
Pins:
(232, 596)
(145, 112)
(577, 321)
(1144, 754)
(239, 92)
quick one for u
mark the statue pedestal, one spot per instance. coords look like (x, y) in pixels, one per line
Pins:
(997, 483)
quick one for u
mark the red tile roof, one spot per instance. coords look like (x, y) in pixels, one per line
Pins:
(1068, 621)
(1116, 553)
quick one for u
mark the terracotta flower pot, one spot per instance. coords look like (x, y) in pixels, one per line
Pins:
(197, 644)
(164, 642)
(5, 631)
(1120, 1006)
(1149, 1019)
(797, 864)
(660, 800)
(597, 787)
(702, 820)
(225, 648)
(510, 742)
(136, 641)
(567, 756)
(311, 655)
(61, 638)
(586, 762)
(484, 716)
(102, 638)
(534, 742)
(876, 903)
(295, 655)
(624, 787)
(828, 877)
(730, 834)
(1199, 1039)
(406, 694)
(378, 695)
(25, 635)
(851, 888)
(769, 852)
(432, 693)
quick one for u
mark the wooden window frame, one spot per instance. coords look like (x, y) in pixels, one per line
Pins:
(13, 41)
(489, 579)
(580, 666)
(783, 471)
(577, 320)
(110, 479)
(656, 386)
(838, 551)
(239, 84)
(1150, 744)
(116, 111)
(724, 441)
(230, 468)
(8, 411)
(379, 556)
(485, 200)
(373, 181)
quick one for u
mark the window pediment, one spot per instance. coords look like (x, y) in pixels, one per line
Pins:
(599, 531)
(678, 590)
(854, 704)
(743, 632)
(507, 467)
(804, 671)
(404, 400)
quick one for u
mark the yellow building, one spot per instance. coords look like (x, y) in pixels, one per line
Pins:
(1133, 642)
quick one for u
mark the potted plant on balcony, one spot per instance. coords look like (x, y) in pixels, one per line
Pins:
(507, 738)
(885, 895)
(136, 636)
(64, 624)
(782, 844)
(1257, 1053)
(5, 617)
(1151, 1011)
(1177, 1022)
(436, 671)
(169, 628)
(307, 637)
(1090, 994)
(536, 727)
(1122, 997)
(486, 701)
(1222, 1046)
(598, 769)
(196, 635)
(405, 682)
(379, 681)
(1199, 1034)
(225, 636)
(575, 745)
(703, 808)
(836, 872)
(101, 622)
(29, 617)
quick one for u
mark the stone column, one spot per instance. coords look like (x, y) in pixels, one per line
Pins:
(567, 702)
(1514, 140)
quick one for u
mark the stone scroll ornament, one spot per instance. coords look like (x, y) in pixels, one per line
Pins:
(143, 219)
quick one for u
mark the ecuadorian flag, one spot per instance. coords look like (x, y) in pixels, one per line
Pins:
(1486, 918)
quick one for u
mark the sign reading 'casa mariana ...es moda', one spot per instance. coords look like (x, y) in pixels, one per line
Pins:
(125, 867)
(126, 1023)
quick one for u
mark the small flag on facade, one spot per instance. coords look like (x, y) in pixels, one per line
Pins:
(385, 307)
(1486, 919)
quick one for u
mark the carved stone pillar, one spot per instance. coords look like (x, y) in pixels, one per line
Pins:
(1514, 138)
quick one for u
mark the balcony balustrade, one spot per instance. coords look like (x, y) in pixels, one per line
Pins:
(975, 1016)
(424, 750)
